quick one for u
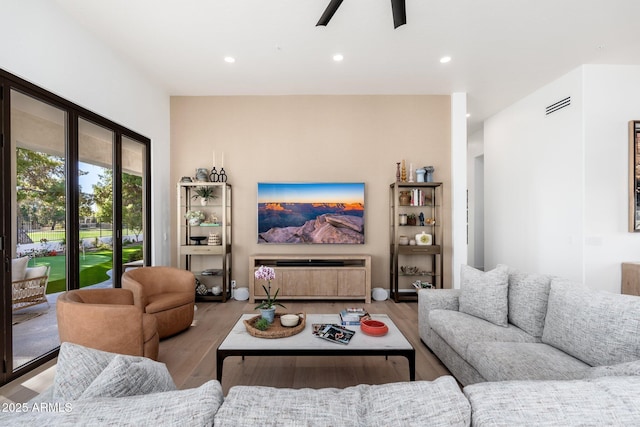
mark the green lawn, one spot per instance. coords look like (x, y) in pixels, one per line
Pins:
(93, 267)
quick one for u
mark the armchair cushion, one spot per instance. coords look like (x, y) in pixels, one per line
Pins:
(19, 268)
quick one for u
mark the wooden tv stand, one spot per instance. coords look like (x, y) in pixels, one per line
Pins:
(314, 277)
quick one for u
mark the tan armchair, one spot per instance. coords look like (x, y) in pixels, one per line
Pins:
(166, 292)
(107, 319)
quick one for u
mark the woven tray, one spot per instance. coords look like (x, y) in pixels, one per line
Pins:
(276, 330)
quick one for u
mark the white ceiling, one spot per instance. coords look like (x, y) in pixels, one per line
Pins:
(501, 49)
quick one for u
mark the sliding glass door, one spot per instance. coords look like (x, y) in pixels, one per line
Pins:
(74, 213)
(38, 141)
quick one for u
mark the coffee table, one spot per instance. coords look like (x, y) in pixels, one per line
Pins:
(240, 343)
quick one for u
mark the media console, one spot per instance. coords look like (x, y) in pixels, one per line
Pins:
(314, 276)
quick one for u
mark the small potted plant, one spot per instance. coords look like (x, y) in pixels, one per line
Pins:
(411, 219)
(204, 193)
(268, 306)
(194, 217)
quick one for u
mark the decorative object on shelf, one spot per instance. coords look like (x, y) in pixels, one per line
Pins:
(198, 239)
(403, 175)
(410, 172)
(397, 171)
(411, 219)
(423, 239)
(402, 219)
(430, 221)
(268, 306)
(289, 320)
(186, 179)
(203, 193)
(412, 242)
(223, 176)
(216, 176)
(194, 217)
(418, 284)
(429, 173)
(374, 328)
(421, 219)
(405, 198)
(379, 294)
(214, 239)
(200, 288)
(213, 176)
(202, 175)
(403, 240)
(420, 175)
(216, 290)
(409, 269)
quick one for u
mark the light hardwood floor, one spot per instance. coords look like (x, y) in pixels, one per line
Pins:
(191, 355)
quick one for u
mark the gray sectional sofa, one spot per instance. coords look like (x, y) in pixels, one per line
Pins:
(95, 388)
(504, 325)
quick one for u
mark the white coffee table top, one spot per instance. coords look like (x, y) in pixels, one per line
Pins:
(239, 339)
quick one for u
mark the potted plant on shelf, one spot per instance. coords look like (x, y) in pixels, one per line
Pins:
(268, 306)
(411, 219)
(194, 217)
(204, 193)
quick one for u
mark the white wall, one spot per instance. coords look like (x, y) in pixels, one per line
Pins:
(557, 186)
(44, 46)
(475, 186)
(534, 183)
(612, 95)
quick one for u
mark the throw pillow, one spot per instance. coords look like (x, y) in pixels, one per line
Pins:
(19, 268)
(130, 376)
(77, 368)
(34, 272)
(485, 294)
(528, 296)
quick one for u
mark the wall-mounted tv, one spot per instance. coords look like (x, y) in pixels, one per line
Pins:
(308, 213)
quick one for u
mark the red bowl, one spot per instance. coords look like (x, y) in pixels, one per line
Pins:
(373, 327)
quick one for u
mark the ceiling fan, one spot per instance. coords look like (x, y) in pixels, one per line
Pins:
(397, 6)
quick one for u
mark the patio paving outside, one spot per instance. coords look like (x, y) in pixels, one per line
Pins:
(35, 337)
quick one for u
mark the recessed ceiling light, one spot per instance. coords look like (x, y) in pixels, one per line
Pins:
(229, 59)
(338, 57)
(445, 59)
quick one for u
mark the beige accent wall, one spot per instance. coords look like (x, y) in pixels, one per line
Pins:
(312, 139)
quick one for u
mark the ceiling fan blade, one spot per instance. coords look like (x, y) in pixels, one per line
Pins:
(399, 12)
(328, 12)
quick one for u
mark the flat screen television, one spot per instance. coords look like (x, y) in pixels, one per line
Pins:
(311, 213)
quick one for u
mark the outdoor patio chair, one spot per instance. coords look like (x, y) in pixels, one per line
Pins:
(31, 289)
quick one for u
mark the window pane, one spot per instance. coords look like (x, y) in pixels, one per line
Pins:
(133, 188)
(95, 166)
(38, 140)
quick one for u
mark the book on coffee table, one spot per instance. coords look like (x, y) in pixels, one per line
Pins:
(334, 333)
(353, 316)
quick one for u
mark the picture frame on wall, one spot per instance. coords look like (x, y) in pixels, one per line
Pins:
(634, 176)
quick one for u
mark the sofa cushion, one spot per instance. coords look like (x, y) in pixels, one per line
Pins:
(33, 272)
(597, 402)
(130, 376)
(597, 327)
(528, 296)
(502, 361)
(460, 329)
(77, 368)
(190, 407)
(19, 268)
(485, 294)
(370, 405)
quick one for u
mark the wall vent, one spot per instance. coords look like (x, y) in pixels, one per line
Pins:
(558, 105)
